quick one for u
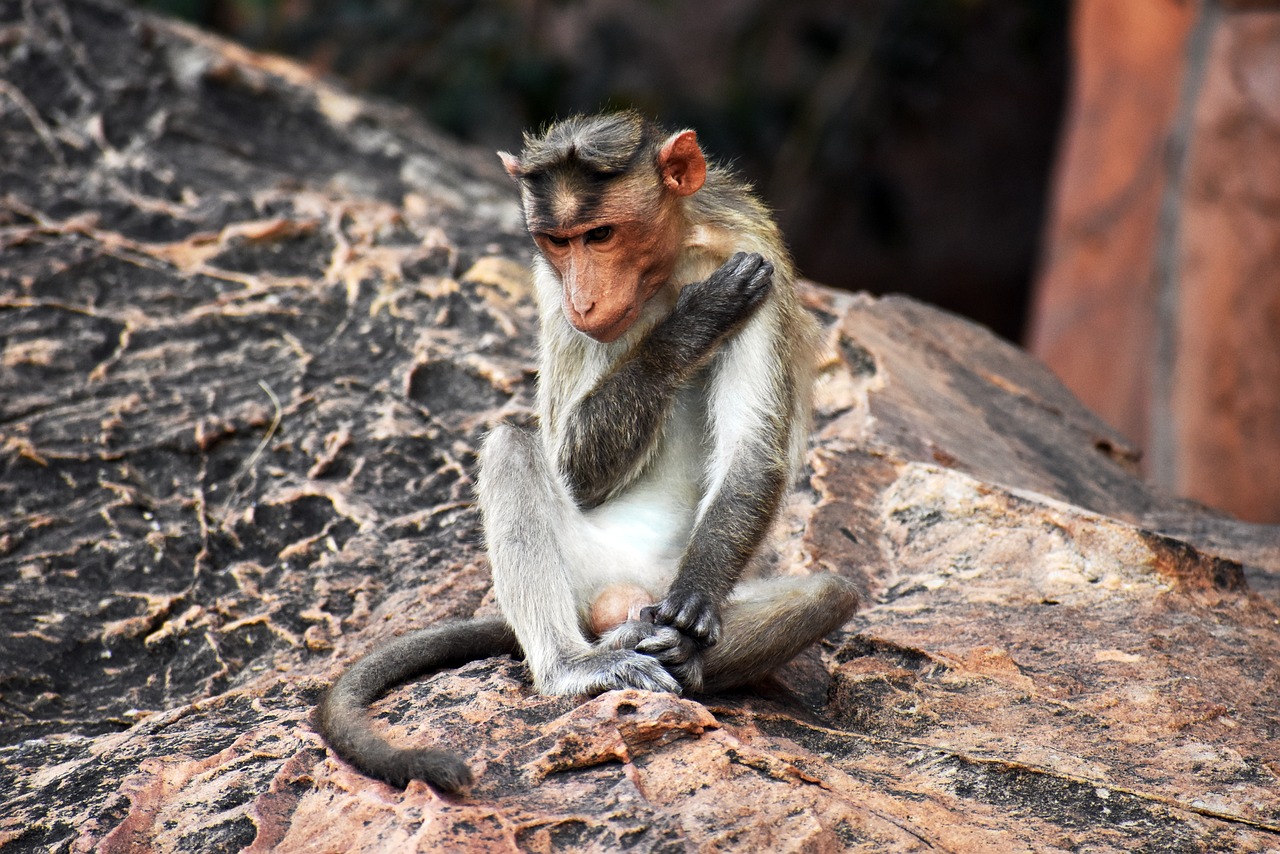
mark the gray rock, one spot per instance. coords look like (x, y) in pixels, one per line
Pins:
(252, 329)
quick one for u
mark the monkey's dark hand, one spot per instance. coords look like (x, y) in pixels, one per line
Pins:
(695, 615)
(676, 651)
(709, 311)
(680, 654)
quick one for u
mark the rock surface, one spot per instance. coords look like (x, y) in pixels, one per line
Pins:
(252, 329)
(1159, 300)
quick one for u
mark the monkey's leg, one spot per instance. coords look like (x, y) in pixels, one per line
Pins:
(542, 559)
(767, 623)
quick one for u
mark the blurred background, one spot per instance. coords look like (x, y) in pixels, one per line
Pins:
(905, 146)
(1095, 179)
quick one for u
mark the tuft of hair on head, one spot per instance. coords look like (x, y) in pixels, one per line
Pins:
(602, 145)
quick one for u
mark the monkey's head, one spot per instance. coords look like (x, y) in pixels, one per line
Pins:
(601, 197)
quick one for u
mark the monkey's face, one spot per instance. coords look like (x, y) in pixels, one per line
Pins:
(612, 234)
(610, 267)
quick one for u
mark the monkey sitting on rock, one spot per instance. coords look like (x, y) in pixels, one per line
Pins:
(674, 391)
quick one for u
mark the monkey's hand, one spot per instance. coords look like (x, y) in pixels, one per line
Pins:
(709, 311)
(694, 614)
(687, 624)
(677, 652)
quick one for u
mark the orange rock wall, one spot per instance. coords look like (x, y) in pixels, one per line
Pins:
(1159, 297)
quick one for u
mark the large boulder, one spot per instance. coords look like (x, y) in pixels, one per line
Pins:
(252, 329)
(1159, 297)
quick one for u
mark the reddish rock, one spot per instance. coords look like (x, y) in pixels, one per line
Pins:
(1094, 315)
(254, 330)
(1159, 299)
(1223, 440)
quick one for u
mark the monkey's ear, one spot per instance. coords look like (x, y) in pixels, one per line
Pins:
(683, 168)
(511, 163)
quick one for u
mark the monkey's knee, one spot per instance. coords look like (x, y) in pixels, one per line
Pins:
(771, 621)
(842, 595)
(507, 443)
(513, 470)
(819, 603)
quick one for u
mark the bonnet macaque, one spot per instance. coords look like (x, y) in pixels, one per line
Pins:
(625, 533)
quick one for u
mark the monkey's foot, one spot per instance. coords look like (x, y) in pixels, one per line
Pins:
(609, 670)
(694, 615)
(679, 653)
(628, 634)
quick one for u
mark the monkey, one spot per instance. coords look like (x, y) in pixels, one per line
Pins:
(627, 532)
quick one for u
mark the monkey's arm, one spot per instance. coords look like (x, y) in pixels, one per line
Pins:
(613, 430)
(723, 542)
(752, 393)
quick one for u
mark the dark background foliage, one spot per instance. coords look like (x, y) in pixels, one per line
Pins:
(905, 144)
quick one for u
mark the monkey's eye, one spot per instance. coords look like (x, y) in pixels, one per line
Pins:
(600, 234)
(556, 241)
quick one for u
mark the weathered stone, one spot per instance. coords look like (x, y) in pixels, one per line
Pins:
(1094, 316)
(1159, 300)
(1223, 444)
(253, 330)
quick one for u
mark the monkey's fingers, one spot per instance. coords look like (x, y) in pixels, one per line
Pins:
(760, 282)
(741, 264)
(747, 280)
(645, 673)
(723, 283)
(694, 614)
(707, 628)
(689, 675)
(669, 646)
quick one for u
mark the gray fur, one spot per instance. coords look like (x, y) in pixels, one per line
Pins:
(342, 716)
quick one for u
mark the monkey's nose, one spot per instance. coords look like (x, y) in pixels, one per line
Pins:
(601, 322)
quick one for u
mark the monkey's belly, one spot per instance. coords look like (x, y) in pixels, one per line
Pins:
(616, 604)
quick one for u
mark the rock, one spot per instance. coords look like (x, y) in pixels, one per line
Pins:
(252, 331)
(1159, 297)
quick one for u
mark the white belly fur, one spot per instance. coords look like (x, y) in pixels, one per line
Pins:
(639, 536)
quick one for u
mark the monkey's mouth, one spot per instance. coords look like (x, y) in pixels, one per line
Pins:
(609, 331)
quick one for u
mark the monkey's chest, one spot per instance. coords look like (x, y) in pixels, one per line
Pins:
(648, 524)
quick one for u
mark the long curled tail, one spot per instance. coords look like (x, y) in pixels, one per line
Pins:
(342, 715)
